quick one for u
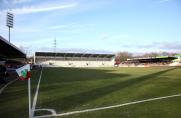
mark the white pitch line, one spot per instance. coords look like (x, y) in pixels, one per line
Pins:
(109, 107)
(36, 95)
(2, 89)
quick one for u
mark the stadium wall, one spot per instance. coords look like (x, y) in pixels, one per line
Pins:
(78, 63)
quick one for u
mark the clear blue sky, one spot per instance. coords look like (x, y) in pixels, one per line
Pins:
(97, 25)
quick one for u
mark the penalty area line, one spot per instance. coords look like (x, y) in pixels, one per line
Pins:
(109, 107)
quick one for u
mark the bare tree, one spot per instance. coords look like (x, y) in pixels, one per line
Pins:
(167, 54)
(152, 54)
(123, 56)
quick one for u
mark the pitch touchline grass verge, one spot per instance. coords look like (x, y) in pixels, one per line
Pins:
(36, 95)
(109, 107)
(2, 89)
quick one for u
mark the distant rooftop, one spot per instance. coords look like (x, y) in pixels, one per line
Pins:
(74, 54)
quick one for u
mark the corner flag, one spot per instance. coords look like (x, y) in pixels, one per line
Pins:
(24, 72)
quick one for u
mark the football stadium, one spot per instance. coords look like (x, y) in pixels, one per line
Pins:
(133, 71)
(89, 85)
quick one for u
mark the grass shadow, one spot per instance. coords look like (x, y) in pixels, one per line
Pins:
(78, 74)
(72, 101)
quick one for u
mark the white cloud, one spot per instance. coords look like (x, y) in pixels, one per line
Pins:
(20, 1)
(57, 27)
(162, 1)
(170, 45)
(163, 46)
(41, 8)
(26, 30)
(69, 28)
(35, 42)
(104, 36)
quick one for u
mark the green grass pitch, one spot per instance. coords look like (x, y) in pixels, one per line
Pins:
(72, 89)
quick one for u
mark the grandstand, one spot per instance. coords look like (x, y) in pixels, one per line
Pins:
(10, 51)
(159, 59)
(11, 54)
(12, 57)
(150, 61)
(74, 59)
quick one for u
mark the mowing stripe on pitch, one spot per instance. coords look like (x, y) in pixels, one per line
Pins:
(50, 110)
(36, 94)
(3, 88)
(109, 107)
